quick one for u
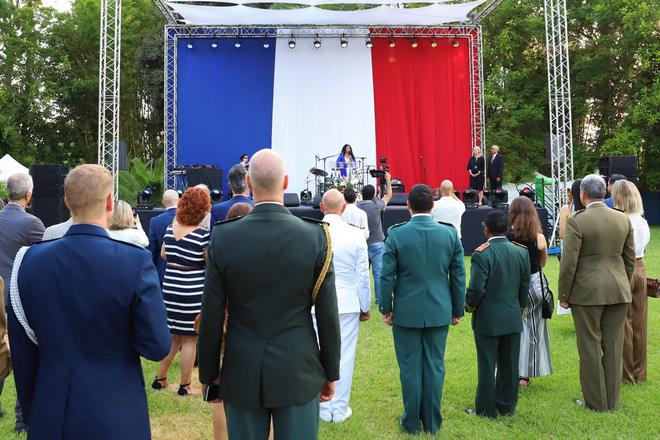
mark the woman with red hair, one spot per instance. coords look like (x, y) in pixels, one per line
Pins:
(184, 249)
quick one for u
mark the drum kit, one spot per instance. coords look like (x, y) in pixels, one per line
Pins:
(355, 178)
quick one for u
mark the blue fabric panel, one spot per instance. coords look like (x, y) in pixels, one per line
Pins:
(225, 100)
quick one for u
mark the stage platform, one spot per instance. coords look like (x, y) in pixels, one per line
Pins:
(471, 229)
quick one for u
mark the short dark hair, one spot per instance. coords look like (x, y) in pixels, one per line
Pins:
(497, 222)
(421, 198)
(237, 179)
(614, 177)
(349, 195)
(368, 192)
(244, 155)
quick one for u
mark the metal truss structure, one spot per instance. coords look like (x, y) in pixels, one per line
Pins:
(174, 32)
(109, 77)
(559, 102)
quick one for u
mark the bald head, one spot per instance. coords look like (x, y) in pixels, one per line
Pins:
(267, 176)
(333, 202)
(446, 188)
(170, 198)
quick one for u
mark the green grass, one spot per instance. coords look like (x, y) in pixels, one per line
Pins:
(545, 410)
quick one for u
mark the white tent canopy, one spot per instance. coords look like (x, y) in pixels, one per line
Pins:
(9, 166)
(384, 15)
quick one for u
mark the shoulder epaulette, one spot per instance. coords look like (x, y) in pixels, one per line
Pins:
(447, 224)
(578, 211)
(518, 244)
(355, 226)
(397, 225)
(313, 220)
(233, 219)
(620, 210)
(483, 247)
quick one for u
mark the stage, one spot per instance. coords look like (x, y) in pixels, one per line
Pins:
(471, 229)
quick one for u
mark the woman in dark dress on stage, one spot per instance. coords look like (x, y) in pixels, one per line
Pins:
(476, 169)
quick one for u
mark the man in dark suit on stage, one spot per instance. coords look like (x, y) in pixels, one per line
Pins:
(496, 168)
(270, 267)
(237, 177)
(84, 309)
(157, 227)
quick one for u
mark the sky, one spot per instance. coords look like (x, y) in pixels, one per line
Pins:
(60, 5)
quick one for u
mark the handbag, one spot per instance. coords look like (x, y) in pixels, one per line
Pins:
(652, 287)
(547, 298)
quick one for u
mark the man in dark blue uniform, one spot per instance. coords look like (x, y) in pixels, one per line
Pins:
(157, 227)
(82, 311)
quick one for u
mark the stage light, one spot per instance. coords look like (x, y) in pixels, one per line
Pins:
(266, 44)
(434, 43)
(527, 192)
(470, 198)
(499, 198)
(317, 42)
(414, 43)
(144, 199)
(455, 43)
(237, 44)
(369, 43)
(189, 45)
(392, 43)
(179, 192)
(216, 195)
(292, 43)
(214, 45)
(343, 42)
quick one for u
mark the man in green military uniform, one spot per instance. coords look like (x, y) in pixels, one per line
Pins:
(597, 266)
(422, 291)
(270, 268)
(497, 296)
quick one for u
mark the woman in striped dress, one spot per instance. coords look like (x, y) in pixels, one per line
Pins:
(184, 249)
(534, 340)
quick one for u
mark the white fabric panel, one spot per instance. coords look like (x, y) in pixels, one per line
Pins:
(381, 15)
(322, 99)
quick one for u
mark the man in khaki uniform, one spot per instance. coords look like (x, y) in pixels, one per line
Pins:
(597, 264)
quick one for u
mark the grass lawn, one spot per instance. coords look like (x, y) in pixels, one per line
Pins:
(545, 409)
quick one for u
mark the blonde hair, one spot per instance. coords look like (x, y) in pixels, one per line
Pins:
(86, 189)
(122, 217)
(627, 198)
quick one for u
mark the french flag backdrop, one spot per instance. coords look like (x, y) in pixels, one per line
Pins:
(411, 105)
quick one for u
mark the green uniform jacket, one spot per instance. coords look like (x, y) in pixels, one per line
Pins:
(598, 257)
(265, 266)
(423, 268)
(499, 286)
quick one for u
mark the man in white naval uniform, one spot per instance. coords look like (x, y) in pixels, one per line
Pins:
(351, 263)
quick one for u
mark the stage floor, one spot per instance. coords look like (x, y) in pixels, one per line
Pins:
(471, 230)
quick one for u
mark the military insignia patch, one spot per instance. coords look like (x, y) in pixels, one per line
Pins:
(483, 247)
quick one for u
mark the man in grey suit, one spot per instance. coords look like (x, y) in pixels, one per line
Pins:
(17, 229)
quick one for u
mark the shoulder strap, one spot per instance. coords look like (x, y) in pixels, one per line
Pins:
(326, 263)
(15, 297)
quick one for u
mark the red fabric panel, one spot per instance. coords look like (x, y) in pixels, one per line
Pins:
(422, 105)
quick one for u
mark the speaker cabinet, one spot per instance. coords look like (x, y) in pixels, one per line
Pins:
(626, 165)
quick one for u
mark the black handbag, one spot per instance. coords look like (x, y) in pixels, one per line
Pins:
(547, 298)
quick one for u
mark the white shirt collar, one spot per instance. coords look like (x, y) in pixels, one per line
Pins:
(597, 201)
(332, 218)
(269, 203)
(421, 214)
(497, 237)
(171, 207)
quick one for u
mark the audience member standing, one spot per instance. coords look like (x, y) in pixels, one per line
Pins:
(496, 168)
(627, 198)
(206, 221)
(351, 261)
(270, 267)
(158, 226)
(84, 309)
(574, 205)
(184, 249)
(610, 183)
(497, 297)
(353, 215)
(476, 169)
(126, 226)
(597, 265)
(374, 207)
(56, 231)
(237, 182)
(449, 209)
(423, 292)
(17, 229)
(534, 340)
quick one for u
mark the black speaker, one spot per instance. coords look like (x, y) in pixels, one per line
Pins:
(398, 199)
(316, 202)
(291, 200)
(48, 180)
(50, 210)
(626, 165)
(209, 175)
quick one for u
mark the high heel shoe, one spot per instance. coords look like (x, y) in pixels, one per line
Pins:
(183, 391)
(156, 384)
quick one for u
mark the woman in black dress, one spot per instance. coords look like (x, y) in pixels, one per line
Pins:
(476, 169)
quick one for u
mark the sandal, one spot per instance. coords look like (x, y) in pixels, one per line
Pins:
(183, 392)
(524, 381)
(156, 384)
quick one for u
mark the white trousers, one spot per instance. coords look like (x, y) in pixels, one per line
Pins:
(338, 406)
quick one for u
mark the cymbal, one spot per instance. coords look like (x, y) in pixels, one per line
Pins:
(318, 172)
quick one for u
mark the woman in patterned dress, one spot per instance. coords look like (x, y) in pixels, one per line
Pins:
(184, 249)
(534, 341)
